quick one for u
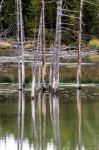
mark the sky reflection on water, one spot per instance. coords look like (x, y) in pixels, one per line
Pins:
(10, 143)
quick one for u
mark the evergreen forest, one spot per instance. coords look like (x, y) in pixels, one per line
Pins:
(31, 16)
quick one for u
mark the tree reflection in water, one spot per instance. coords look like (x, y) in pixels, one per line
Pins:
(34, 123)
(21, 109)
(42, 119)
(54, 113)
(79, 118)
(38, 105)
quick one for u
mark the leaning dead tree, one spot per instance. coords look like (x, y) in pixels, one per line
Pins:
(79, 48)
(20, 44)
(56, 49)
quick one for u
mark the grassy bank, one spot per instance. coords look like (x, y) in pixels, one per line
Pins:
(9, 73)
(90, 74)
(93, 58)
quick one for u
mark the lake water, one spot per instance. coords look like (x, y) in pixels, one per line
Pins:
(66, 121)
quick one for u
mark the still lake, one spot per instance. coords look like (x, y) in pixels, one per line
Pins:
(66, 121)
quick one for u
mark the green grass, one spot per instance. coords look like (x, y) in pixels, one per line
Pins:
(28, 79)
(90, 74)
(90, 81)
(64, 80)
(7, 80)
(68, 80)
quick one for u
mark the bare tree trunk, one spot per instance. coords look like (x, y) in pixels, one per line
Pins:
(39, 47)
(37, 58)
(33, 80)
(79, 48)
(34, 67)
(56, 49)
(50, 76)
(20, 43)
(39, 54)
(43, 73)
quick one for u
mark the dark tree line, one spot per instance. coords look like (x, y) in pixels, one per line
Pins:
(31, 15)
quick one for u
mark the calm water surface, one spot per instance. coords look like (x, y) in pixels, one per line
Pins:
(67, 121)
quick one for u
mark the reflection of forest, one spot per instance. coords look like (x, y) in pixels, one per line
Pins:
(67, 118)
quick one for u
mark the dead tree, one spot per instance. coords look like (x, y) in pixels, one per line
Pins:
(79, 48)
(34, 65)
(39, 47)
(50, 76)
(20, 44)
(43, 70)
(56, 48)
(37, 57)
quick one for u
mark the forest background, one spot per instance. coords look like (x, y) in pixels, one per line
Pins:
(31, 18)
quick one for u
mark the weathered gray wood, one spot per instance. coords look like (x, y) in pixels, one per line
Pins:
(79, 48)
(36, 67)
(43, 73)
(50, 76)
(39, 47)
(20, 43)
(56, 49)
(33, 79)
